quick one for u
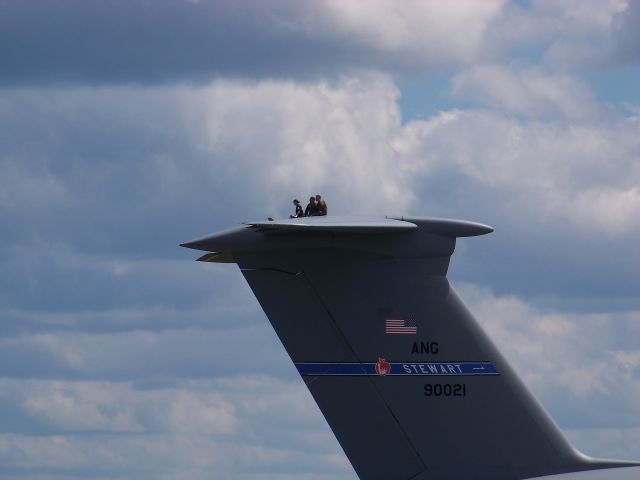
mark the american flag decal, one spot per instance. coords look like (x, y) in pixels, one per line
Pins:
(400, 327)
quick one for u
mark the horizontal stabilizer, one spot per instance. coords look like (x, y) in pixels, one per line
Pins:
(336, 224)
(217, 257)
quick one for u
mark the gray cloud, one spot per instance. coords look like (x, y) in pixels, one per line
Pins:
(155, 42)
(122, 357)
(627, 42)
(569, 37)
(145, 355)
(144, 41)
(71, 41)
(173, 40)
(605, 33)
(529, 92)
(584, 367)
(195, 430)
(101, 185)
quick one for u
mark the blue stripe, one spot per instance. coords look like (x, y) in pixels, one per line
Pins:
(398, 368)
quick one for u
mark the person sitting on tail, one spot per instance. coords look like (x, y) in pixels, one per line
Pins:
(321, 206)
(299, 213)
(312, 208)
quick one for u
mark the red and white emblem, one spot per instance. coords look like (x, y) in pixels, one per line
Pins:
(382, 367)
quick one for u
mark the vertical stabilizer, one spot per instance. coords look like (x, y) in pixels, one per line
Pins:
(408, 381)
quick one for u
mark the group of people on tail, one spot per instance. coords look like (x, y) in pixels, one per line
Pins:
(316, 207)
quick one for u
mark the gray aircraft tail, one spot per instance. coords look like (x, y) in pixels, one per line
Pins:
(407, 380)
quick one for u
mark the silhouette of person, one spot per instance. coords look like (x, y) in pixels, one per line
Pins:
(321, 206)
(311, 209)
(299, 213)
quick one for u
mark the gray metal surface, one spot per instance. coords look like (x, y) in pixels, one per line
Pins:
(337, 224)
(338, 232)
(434, 400)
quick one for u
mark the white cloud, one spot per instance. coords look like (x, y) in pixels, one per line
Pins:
(118, 407)
(99, 185)
(583, 173)
(607, 442)
(302, 40)
(570, 157)
(428, 32)
(574, 362)
(561, 154)
(612, 208)
(226, 428)
(590, 32)
(185, 457)
(182, 351)
(580, 18)
(304, 139)
(529, 92)
(271, 140)
(422, 36)
(81, 406)
(570, 35)
(29, 185)
(240, 424)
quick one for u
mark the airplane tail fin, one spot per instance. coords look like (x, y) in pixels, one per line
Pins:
(408, 381)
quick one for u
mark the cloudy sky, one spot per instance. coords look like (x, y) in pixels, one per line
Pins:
(129, 127)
